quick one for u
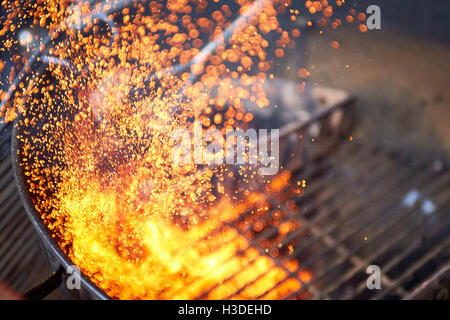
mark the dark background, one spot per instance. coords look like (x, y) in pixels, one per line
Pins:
(428, 18)
(400, 74)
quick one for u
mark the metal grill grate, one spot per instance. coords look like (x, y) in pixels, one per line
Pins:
(363, 206)
(367, 206)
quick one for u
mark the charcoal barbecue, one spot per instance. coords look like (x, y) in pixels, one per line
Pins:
(341, 233)
(364, 205)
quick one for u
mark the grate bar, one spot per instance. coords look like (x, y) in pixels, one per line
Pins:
(7, 213)
(16, 246)
(362, 264)
(385, 245)
(320, 216)
(344, 218)
(325, 214)
(418, 264)
(343, 258)
(12, 230)
(258, 278)
(330, 240)
(423, 224)
(415, 244)
(319, 169)
(318, 186)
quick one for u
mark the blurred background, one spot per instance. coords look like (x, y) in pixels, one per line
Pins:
(400, 74)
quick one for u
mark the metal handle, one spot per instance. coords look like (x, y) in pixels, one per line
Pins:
(46, 287)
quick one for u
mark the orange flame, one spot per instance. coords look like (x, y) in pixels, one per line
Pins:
(99, 165)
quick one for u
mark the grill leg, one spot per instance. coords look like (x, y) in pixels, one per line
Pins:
(46, 287)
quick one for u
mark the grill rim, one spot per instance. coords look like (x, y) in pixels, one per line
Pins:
(51, 246)
(56, 258)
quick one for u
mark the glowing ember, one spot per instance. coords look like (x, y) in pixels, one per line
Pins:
(97, 143)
